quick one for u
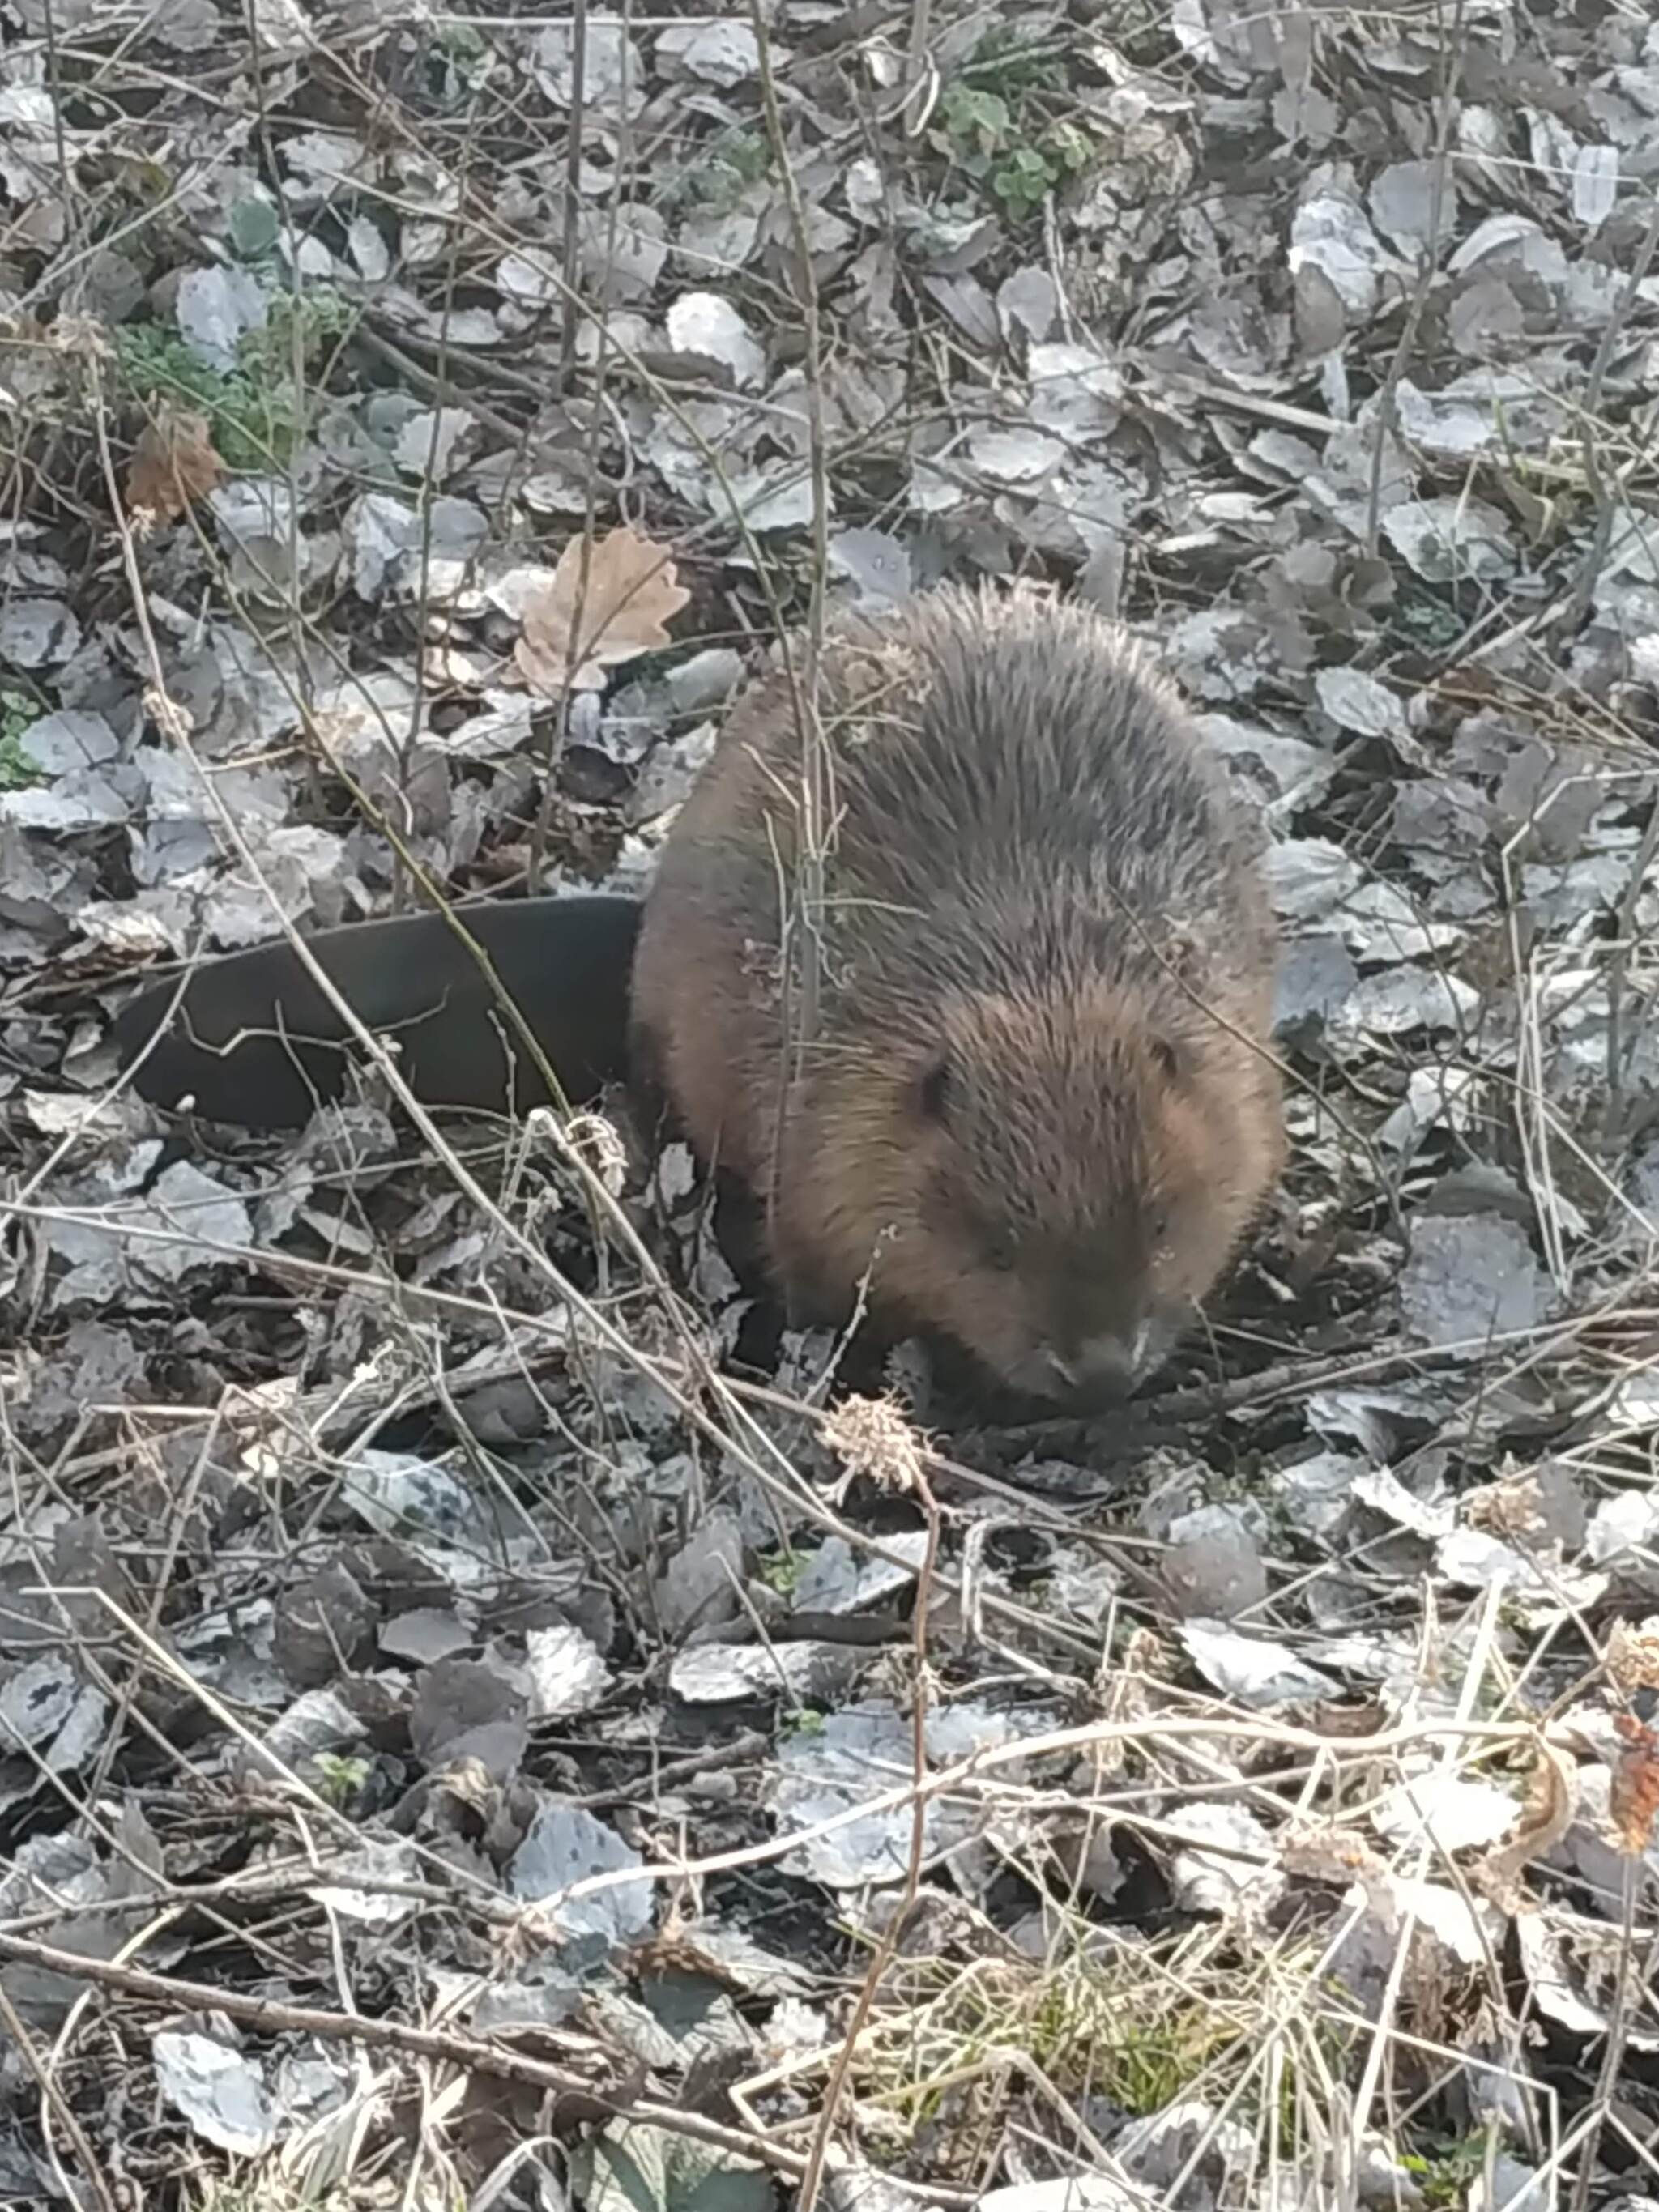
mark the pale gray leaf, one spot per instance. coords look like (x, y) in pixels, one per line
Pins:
(1255, 1671)
(567, 1674)
(565, 1845)
(1469, 1277)
(216, 309)
(222, 2093)
(1594, 184)
(719, 54)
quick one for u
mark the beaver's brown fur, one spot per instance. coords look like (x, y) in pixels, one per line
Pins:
(1037, 1111)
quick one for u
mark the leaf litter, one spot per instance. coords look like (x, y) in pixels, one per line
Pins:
(381, 1651)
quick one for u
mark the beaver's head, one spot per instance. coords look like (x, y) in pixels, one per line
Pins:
(1052, 1179)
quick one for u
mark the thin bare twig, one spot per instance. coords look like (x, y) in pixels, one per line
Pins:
(803, 970)
(572, 172)
(1388, 408)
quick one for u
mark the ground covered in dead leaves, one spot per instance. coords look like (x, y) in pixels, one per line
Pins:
(442, 1761)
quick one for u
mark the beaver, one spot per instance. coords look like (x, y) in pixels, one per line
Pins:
(1037, 1113)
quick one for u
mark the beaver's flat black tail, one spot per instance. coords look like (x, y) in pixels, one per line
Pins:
(254, 1041)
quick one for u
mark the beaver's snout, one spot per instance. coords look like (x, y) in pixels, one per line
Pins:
(1095, 1372)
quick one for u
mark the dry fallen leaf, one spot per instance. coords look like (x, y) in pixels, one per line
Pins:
(1635, 1796)
(172, 463)
(1546, 1813)
(1331, 1854)
(1634, 1654)
(572, 635)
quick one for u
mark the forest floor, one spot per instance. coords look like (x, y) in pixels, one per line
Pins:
(442, 1761)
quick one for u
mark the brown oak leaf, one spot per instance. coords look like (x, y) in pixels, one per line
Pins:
(172, 463)
(572, 635)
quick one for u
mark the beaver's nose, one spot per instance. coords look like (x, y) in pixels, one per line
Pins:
(1104, 1367)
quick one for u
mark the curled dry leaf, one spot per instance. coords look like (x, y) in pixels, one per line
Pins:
(573, 633)
(1634, 1654)
(172, 463)
(1330, 1854)
(1634, 1799)
(1546, 1813)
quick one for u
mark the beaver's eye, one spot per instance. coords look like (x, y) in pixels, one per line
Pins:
(933, 1092)
(1159, 1226)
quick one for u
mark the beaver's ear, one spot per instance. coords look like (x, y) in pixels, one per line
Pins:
(1169, 1059)
(932, 1091)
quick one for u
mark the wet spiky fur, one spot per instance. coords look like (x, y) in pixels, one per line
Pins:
(1036, 1105)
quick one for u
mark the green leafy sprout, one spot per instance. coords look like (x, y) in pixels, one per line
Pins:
(1018, 159)
(17, 771)
(256, 412)
(722, 172)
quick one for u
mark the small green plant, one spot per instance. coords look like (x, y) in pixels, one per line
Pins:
(461, 41)
(255, 412)
(977, 125)
(308, 324)
(782, 1571)
(340, 1778)
(1142, 2056)
(1138, 2026)
(1007, 148)
(459, 57)
(17, 771)
(1422, 618)
(1447, 2174)
(722, 172)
